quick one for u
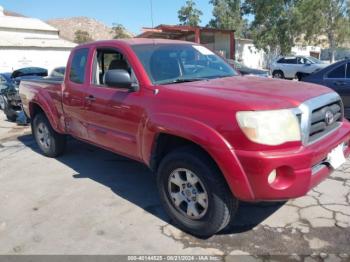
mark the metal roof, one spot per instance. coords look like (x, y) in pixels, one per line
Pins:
(24, 23)
(35, 42)
(177, 31)
(38, 31)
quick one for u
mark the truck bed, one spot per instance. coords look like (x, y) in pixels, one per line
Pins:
(45, 92)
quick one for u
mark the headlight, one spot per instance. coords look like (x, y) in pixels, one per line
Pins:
(273, 127)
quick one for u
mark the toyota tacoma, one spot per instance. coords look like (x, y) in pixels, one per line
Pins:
(211, 136)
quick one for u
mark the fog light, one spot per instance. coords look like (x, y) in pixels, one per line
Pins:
(272, 177)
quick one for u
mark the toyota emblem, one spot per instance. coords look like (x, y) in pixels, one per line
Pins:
(329, 118)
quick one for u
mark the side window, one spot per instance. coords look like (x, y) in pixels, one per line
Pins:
(290, 60)
(110, 59)
(348, 71)
(303, 60)
(77, 71)
(338, 72)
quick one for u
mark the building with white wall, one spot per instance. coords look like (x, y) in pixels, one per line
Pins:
(30, 42)
(249, 55)
(302, 50)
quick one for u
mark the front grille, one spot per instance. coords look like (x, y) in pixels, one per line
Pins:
(324, 120)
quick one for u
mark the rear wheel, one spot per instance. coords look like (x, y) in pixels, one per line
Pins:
(194, 192)
(50, 142)
(300, 76)
(278, 74)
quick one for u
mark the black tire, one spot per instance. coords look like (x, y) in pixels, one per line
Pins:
(11, 117)
(222, 205)
(2, 102)
(300, 76)
(57, 142)
(278, 74)
(10, 114)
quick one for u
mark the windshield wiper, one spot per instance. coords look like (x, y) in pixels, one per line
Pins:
(184, 80)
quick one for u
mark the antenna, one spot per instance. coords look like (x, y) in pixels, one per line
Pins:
(151, 3)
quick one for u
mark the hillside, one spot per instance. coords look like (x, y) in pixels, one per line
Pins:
(10, 13)
(68, 26)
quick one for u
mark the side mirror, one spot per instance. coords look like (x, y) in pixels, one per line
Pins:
(118, 78)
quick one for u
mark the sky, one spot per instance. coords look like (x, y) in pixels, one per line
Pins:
(133, 14)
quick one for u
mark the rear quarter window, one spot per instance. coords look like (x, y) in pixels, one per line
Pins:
(338, 72)
(287, 60)
(78, 66)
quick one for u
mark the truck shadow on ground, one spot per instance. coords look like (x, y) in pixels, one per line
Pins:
(135, 183)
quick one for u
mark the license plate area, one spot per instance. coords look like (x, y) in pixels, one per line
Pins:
(336, 157)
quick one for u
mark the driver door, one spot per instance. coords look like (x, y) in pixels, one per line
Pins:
(113, 113)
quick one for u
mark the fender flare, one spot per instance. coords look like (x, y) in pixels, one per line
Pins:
(211, 141)
(50, 111)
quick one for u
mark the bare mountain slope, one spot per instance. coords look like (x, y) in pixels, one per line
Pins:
(68, 27)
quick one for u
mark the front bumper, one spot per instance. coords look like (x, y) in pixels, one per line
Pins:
(298, 169)
(14, 99)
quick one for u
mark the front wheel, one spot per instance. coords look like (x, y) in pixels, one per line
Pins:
(194, 192)
(11, 115)
(50, 142)
(2, 103)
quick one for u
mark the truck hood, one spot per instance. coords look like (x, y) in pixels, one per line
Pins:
(253, 93)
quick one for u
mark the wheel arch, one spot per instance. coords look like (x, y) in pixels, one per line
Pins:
(167, 132)
(36, 107)
(278, 70)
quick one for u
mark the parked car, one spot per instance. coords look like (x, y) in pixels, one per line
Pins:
(292, 67)
(5, 81)
(244, 70)
(12, 105)
(212, 137)
(336, 77)
(58, 72)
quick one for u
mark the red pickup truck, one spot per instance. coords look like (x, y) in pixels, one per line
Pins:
(212, 137)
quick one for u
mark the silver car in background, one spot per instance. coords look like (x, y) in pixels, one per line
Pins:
(296, 67)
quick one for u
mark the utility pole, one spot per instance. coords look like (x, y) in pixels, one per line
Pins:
(151, 3)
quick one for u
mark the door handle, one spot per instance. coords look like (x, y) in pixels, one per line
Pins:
(90, 98)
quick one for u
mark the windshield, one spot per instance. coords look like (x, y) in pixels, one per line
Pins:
(175, 63)
(315, 60)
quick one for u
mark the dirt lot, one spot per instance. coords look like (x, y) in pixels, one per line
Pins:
(90, 201)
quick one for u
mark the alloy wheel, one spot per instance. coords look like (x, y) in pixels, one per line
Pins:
(187, 193)
(43, 135)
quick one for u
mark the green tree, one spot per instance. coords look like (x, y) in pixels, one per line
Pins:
(189, 14)
(81, 37)
(228, 15)
(328, 18)
(276, 24)
(119, 31)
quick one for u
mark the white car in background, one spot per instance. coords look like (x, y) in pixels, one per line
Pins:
(291, 67)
